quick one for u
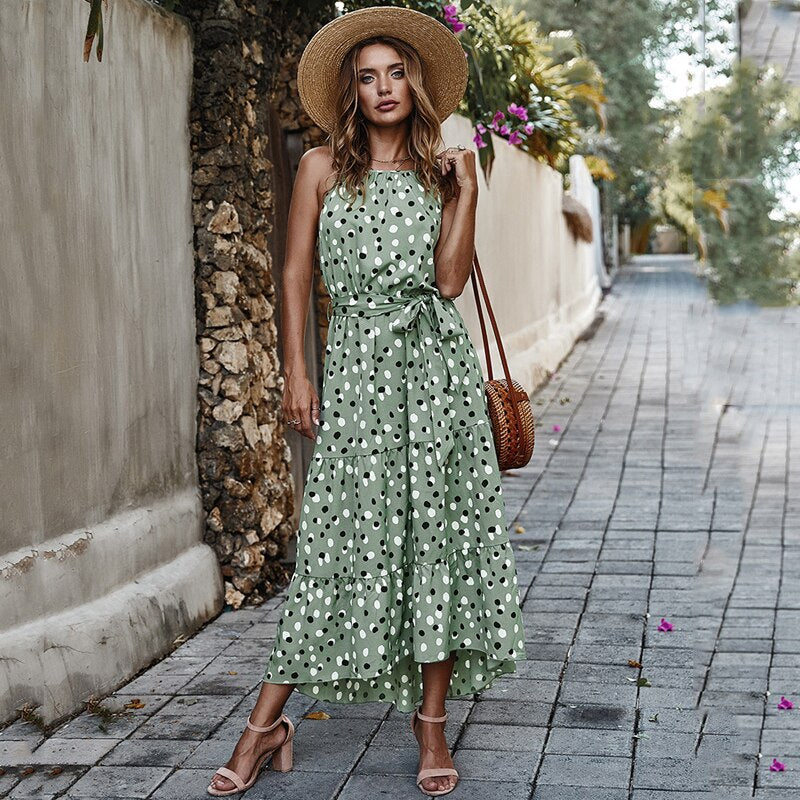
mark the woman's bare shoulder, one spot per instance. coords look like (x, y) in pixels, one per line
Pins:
(316, 167)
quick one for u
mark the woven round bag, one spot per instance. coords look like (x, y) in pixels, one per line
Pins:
(513, 432)
(508, 404)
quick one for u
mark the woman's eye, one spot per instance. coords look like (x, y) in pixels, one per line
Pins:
(398, 73)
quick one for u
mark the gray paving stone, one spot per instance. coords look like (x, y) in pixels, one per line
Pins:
(19, 731)
(729, 793)
(559, 792)
(582, 770)
(488, 765)
(320, 745)
(542, 670)
(71, 751)
(592, 742)
(517, 738)
(389, 761)
(46, 781)
(119, 782)
(522, 689)
(289, 786)
(597, 716)
(156, 752)
(368, 787)
(622, 693)
(510, 712)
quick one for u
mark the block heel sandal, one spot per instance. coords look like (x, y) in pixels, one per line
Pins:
(281, 759)
(432, 772)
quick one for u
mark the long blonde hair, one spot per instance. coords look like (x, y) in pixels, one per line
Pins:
(348, 141)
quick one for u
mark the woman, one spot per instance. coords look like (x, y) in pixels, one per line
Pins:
(405, 587)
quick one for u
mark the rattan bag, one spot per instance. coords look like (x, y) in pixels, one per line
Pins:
(509, 406)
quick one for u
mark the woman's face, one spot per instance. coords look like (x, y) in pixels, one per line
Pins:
(384, 96)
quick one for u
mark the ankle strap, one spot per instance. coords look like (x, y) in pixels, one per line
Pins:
(427, 718)
(259, 729)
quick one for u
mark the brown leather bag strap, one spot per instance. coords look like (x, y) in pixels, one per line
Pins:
(511, 390)
(485, 336)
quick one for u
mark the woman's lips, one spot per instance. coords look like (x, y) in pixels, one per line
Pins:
(388, 106)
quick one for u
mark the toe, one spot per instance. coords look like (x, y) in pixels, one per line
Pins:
(222, 783)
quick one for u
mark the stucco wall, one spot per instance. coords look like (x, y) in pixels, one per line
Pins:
(542, 283)
(101, 554)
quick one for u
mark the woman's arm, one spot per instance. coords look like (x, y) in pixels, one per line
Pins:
(299, 394)
(453, 253)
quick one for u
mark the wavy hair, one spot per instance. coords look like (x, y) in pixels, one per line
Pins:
(348, 141)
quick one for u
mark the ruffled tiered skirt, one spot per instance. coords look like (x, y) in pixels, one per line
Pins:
(403, 556)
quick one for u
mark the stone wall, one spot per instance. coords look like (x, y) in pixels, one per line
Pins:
(245, 63)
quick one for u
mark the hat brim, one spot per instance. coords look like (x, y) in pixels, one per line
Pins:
(443, 59)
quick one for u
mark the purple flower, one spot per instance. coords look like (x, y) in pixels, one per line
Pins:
(478, 141)
(665, 626)
(497, 117)
(481, 127)
(451, 17)
(515, 138)
(777, 766)
(556, 428)
(528, 127)
(785, 704)
(504, 130)
(518, 111)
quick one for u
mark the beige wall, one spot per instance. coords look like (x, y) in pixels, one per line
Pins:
(101, 554)
(542, 283)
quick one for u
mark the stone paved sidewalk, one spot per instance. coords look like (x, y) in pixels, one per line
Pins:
(770, 34)
(664, 493)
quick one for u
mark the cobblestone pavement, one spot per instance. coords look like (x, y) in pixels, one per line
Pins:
(664, 493)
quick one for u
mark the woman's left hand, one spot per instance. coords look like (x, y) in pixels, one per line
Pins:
(463, 162)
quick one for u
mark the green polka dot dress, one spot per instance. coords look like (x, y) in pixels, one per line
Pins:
(402, 551)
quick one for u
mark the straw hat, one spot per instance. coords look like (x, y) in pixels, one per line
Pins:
(443, 59)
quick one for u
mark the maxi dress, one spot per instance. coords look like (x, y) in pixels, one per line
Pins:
(402, 553)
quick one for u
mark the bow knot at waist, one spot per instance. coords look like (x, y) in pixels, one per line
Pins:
(440, 312)
(429, 376)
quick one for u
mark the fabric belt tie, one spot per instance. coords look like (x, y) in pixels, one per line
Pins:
(435, 318)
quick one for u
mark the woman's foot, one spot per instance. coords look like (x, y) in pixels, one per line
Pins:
(250, 747)
(433, 751)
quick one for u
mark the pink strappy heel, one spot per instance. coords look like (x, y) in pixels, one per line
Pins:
(432, 772)
(281, 760)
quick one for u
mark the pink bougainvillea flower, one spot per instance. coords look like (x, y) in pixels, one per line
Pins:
(518, 111)
(451, 17)
(777, 766)
(665, 626)
(556, 428)
(785, 704)
(504, 130)
(528, 127)
(498, 115)
(481, 127)
(478, 141)
(515, 138)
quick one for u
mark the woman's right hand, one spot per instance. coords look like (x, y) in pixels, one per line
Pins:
(300, 401)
